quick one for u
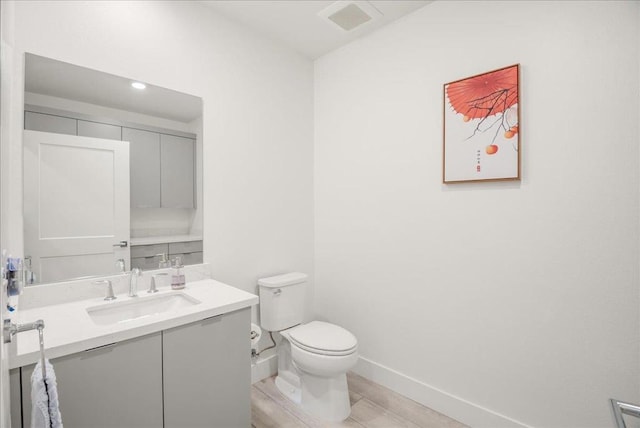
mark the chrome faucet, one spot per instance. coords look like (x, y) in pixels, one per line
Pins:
(153, 288)
(133, 282)
(110, 295)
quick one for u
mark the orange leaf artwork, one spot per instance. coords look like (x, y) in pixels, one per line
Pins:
(481, 127)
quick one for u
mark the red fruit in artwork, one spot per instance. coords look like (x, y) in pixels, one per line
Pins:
(509, 134)
(491, 149)
(466, 119)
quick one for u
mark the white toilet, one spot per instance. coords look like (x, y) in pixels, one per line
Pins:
(313, 358)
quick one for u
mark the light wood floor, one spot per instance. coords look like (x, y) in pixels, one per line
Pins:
(372, 405)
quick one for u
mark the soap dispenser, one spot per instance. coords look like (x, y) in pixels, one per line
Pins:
(177, 277)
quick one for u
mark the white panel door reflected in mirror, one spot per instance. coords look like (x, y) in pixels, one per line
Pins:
(76, 205)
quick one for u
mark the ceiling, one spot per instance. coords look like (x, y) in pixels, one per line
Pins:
(296, 23)
(60, 79)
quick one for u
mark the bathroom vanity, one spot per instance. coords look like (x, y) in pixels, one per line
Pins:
(176, 358)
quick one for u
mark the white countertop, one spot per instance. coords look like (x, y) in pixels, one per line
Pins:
(69, 329)
(150, 240)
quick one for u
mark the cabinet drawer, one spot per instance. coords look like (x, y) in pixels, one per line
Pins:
(185, 247)
(148, 250)
(145, 263)
(188, 258)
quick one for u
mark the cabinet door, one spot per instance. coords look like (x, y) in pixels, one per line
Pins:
(207, 373)
(144, 165)
(99, 130)
(177, 171)
(49, 123)
(117, 385)
(16, 399)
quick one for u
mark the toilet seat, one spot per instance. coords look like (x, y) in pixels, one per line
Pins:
(323, 338)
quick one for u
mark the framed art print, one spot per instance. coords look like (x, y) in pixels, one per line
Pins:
(482, 127)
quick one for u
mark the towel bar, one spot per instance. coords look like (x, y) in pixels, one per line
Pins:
(621, 408)
(11, 329)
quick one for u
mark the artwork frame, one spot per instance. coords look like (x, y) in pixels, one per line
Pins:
(481, 117)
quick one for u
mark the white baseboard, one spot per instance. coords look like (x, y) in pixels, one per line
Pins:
(440, 401)
(264, 368)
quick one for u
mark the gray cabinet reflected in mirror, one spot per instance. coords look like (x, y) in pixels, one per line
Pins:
(109, 172)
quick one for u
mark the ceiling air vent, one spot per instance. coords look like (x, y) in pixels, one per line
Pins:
(350, 15)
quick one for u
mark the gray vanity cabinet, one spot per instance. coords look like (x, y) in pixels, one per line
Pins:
(117, 385)
(144, 167)
(206, 373)
(195, 375)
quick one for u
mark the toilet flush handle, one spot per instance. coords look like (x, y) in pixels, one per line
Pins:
(277, 292)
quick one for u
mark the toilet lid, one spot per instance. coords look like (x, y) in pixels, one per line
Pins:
(322, 337)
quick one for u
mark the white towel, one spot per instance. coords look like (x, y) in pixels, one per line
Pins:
(45, 412)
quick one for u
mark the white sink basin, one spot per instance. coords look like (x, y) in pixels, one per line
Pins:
(141, 307)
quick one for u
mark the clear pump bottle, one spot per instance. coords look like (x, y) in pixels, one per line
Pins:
(177, 277)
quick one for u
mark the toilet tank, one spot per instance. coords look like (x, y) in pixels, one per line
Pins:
(282, 300)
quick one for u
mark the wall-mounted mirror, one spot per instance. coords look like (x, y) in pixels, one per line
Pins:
(112, 173)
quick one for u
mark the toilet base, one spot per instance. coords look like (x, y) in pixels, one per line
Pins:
(326, 398)
(289, 389)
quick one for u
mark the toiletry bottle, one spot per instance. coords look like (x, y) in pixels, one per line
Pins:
(14, 276)
(29, 276)
(164, 262)
(177, 277)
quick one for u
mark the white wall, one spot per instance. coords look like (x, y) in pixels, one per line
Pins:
(520, 298)
(257, 124)
(500, 303)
